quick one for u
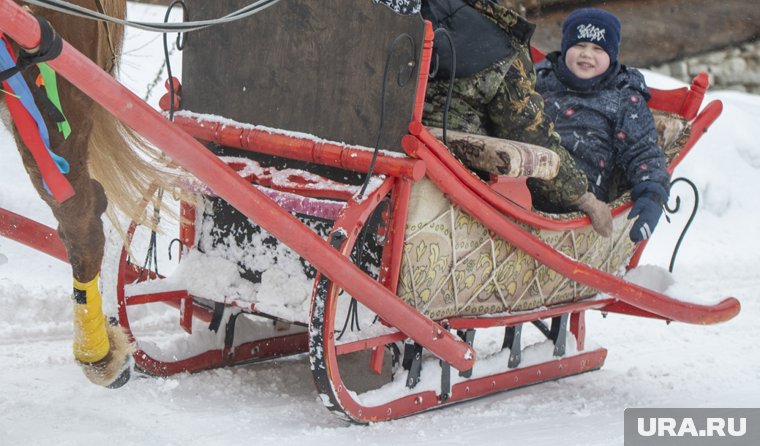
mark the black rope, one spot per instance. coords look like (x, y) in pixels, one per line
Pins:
(675, 210)
(71, 9)
(151, 256)
(353, 307)
(171, 244)
(401, 82)
(352, 316)
(452, 76)
(180, 45)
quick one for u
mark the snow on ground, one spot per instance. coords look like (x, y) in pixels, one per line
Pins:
(45, 399)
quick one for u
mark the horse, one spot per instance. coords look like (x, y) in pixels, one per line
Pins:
(111, 168)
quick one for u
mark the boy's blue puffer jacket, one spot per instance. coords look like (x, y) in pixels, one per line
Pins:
(606, 127)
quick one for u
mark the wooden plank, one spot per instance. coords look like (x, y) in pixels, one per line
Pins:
(307, 66)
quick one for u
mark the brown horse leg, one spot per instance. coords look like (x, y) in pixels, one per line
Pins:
(102, 350)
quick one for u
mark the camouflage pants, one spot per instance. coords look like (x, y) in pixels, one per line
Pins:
(501, 101)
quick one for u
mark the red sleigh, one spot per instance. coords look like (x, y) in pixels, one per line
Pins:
(420, 254)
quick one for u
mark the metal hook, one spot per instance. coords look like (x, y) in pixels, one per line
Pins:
(675, 210)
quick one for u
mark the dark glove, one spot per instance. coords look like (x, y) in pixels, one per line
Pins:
(648, 200)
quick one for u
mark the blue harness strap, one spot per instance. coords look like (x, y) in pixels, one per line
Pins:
(24, 94)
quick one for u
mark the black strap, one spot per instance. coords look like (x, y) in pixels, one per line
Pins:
(46, 105)
(49, 48)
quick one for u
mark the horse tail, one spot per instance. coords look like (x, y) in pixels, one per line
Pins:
(128, 168)
(124, 163)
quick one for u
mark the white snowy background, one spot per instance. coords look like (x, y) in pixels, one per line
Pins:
(45, 399)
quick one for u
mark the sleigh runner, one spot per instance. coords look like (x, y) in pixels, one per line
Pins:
(391, 262)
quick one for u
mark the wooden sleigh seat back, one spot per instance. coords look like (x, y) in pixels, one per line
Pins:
(300, 68)
(307, 66)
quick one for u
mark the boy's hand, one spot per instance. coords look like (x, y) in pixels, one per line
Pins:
(648, 197)
(649, 212)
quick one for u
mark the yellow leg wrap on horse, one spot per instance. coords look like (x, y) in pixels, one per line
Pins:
(90, 335)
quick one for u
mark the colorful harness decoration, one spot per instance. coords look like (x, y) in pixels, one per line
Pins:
(31, 125)
(47, 79)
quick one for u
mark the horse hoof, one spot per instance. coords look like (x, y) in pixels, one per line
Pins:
(126, 374)
(115, 369)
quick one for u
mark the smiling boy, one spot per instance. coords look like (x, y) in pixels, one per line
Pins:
(599, 109)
